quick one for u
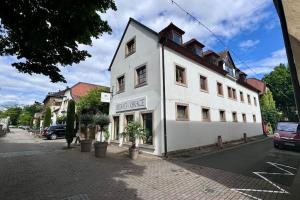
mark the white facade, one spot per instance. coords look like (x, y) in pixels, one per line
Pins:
(180, 134)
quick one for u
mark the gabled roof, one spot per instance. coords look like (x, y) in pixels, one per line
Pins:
(194, 41)
(138, 23)
(58, 94)
(171, 26)
(210, 52)
(80, 89)
(224, 54)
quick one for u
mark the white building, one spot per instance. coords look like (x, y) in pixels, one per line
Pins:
(204, 94)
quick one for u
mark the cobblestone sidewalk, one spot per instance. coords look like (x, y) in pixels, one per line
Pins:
(72, 175)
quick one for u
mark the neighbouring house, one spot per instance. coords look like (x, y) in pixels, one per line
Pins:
(37, 121)
(258, 84)
(184, 97)
(54, 100)
(75, 92)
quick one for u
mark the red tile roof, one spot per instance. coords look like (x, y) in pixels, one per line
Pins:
(258, 84)
(80, 89)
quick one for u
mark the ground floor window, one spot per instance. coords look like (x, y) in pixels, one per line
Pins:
(182, 112)
(148, 126)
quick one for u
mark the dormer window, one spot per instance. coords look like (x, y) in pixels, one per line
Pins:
(198, 51)
(176, 37)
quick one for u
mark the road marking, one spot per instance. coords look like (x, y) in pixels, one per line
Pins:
(261, 175)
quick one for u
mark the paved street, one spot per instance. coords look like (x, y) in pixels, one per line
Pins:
(33, 168)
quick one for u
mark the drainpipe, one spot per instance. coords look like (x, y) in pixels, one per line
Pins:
(164, 97)
(289, 53)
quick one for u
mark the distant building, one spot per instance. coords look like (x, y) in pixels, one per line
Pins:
(204, 93)
(258, 84)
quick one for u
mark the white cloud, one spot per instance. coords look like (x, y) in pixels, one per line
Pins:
(248, 43)
(267, 64)
(226, 18)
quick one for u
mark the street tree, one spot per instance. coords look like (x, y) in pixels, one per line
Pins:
(91, 103)
(280, 83)
(268, 108)
(43, 35)
(70, 133)
(47, 117)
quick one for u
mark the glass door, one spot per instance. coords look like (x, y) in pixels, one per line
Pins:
(148, 126)
(116, 127)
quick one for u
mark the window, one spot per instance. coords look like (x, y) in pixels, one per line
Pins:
(254, 118)
(234, 93)
(182, 112)
(130, 47)
(205, 114)
(222, 116)
(249, 99)
(121, 84)
(203, 83)
(148, 125)
(141, 76)
(229, 92)
(234, 117)
(244, 117)
(242, 96)
(180, 75)
(177, 37)
(255, 103)
(220, 89)
(198, 51)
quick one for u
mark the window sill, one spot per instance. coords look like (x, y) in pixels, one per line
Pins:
(182, 120)
(206, 91)
(181, 84)
(129, 54)
(220, 95)
(140, 85)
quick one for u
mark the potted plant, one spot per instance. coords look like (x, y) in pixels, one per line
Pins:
(86, 144)
(134, 130)
(101, 146)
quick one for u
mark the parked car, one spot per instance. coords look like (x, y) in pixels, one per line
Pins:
(54, 132)
(287, 134)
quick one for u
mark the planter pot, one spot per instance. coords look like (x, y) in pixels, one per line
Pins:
(86, 145)
(100, 149)
(133, 153)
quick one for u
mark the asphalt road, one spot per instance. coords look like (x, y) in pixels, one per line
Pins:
(257, 157)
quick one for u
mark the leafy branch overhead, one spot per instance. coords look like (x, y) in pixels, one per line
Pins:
(46, 34)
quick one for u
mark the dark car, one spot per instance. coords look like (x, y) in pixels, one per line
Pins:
(54, 132)
(287, 134)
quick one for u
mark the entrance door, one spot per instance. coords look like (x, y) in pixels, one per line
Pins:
(148, 126)
(116, 127)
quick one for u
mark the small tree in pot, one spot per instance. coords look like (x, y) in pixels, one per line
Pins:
(86, 144)
(134, 130)
(70, 132)
(100, 147)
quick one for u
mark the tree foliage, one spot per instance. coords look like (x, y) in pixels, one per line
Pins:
(13, 113)
(134, 130)
(91, 103)
(45, 34)
(70, 133)
(47, 117)
(280, 83)
(268, 108)
(25, 118)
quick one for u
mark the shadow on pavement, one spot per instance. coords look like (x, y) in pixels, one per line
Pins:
(31, 171)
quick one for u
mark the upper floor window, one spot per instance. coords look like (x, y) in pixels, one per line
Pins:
(229, 90)
(121, 84)
(182, 112)
(233, 93)
(255, 102)
(241, 96)
(249, 99)
(130, 47)
(220, 89)
(230, 70)
(203, 83)
(176, 37)
(141, 76)
(205, 114)
(180, 75)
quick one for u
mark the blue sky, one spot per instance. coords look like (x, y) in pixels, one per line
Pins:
(250, 29)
